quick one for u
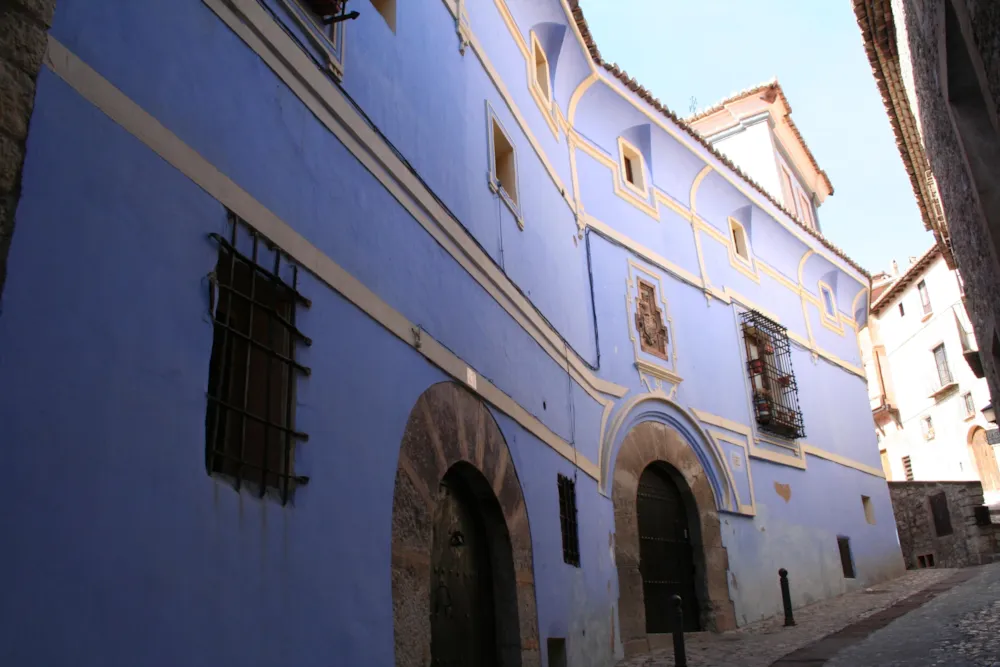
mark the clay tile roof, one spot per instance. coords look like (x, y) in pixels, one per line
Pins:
(878, 32)
(774, 88)
(633, 85)
(912, 272)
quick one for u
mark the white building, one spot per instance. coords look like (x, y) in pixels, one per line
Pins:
(924, 378)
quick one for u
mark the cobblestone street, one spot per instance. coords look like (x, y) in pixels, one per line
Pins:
(762, 644)
(959, 628)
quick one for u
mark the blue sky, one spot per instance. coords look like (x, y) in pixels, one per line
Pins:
(710, 49)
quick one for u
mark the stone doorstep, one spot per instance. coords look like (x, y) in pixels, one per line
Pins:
(818, 652)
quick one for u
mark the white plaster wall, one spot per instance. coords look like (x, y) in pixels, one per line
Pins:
(753, 151)
(909, 366)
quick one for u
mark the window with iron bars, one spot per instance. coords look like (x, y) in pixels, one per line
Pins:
(567, 520)
(772, 380)
(250, 431)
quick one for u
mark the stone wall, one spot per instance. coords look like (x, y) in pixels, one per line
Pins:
(23, 28)
(967, 544)
(919, 30)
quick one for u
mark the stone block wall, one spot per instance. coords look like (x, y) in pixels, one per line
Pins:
(23, 28)
(973, 245)
(967, 544)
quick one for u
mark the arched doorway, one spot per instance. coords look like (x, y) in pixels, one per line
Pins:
(666, 555)
(462, 575)
(673, 470)
(985, 460)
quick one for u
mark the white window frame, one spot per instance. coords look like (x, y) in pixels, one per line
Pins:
(540, 59)
(640, 181)
(509, 195)
(824, 291)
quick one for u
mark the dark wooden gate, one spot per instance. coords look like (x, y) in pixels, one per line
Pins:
(463, 632)
(666, 559)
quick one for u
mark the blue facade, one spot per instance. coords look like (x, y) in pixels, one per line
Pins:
(152, 119)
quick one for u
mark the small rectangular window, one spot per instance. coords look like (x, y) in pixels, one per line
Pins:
(504, 165)
(921, 562)
(568, 520)
(970, 406)
(927, 427)
(940, 514)
(846, 558)
(541, 69)
(908, 468)
(866, 504)
(829, 302)
(787, 189)
(901, 311)
(632, 167)
(739, 235)
(250, 431)
(941, 361)
(925, 298)
(930, 560)
(806, 211)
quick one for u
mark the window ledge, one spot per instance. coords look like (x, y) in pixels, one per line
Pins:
(944, 389)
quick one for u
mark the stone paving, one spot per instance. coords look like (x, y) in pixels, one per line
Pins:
(762, 643)
(959, 628)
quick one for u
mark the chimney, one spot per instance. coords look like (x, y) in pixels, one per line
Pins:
(913, 260)
(895, 268)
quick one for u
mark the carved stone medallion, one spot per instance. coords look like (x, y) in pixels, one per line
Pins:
(653, 336)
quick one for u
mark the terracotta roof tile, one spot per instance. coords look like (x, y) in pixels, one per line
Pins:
(904, 280)
(646, 96)
(878, 32)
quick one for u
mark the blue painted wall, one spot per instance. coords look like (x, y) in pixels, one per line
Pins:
(126, 552)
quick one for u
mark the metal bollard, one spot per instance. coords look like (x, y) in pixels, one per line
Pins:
(680, 657)
(786, 597)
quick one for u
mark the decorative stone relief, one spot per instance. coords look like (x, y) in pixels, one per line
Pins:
(653, 336)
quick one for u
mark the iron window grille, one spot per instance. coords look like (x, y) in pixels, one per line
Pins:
(970, 405)
(567, 520)
(250, 431)
(927, 427)
(908, 468)
(769, 365)
(330, 11)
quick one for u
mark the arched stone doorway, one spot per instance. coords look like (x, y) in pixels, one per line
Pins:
(656, 448)
(460, 540)
(985, 459)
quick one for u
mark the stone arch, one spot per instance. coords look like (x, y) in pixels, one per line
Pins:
(655, 443)
(451, 432)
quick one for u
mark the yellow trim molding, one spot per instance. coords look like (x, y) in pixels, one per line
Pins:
(135, 120)
(749, 509)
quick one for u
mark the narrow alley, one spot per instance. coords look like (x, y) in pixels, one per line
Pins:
(926, 617)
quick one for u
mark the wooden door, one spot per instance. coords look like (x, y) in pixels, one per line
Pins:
(463, 631)
(666, 557)
(986, 461)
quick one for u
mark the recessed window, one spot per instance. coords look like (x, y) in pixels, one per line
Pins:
(806, 211)
(940, 513)
(866, 503)
(633, 170)
(250, 431)
(568, 521)
(927, 427)
(846, 558)
(902, 312)
(829, 302)
(739, 236)
(541, 69)
(787, 189)
(941, 361)
(504, 162)
(925, 298)
(970, 406)
(908, 468)
(387, 8)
